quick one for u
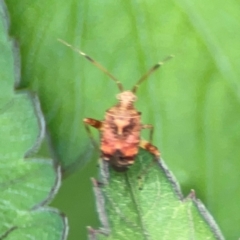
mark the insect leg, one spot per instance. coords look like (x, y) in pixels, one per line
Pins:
(149, 147)
(94, 123)
(149, 126)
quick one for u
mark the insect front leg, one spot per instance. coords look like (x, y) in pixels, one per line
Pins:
(149, 126)
(94, 123)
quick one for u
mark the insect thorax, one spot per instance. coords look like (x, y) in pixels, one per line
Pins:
(122, 121)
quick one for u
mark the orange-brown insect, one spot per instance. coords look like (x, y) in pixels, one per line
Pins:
(121, 127)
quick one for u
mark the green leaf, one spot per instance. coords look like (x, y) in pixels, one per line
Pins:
(157, 211)
(26, 183)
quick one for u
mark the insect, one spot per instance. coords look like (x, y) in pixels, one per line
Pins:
(120, 130)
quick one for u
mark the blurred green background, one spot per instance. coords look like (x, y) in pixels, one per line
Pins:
(193, 100)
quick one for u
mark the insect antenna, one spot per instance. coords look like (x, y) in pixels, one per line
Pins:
(98, 65)
(149, 72)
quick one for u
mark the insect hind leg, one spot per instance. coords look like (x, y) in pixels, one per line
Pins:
(150, 148)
